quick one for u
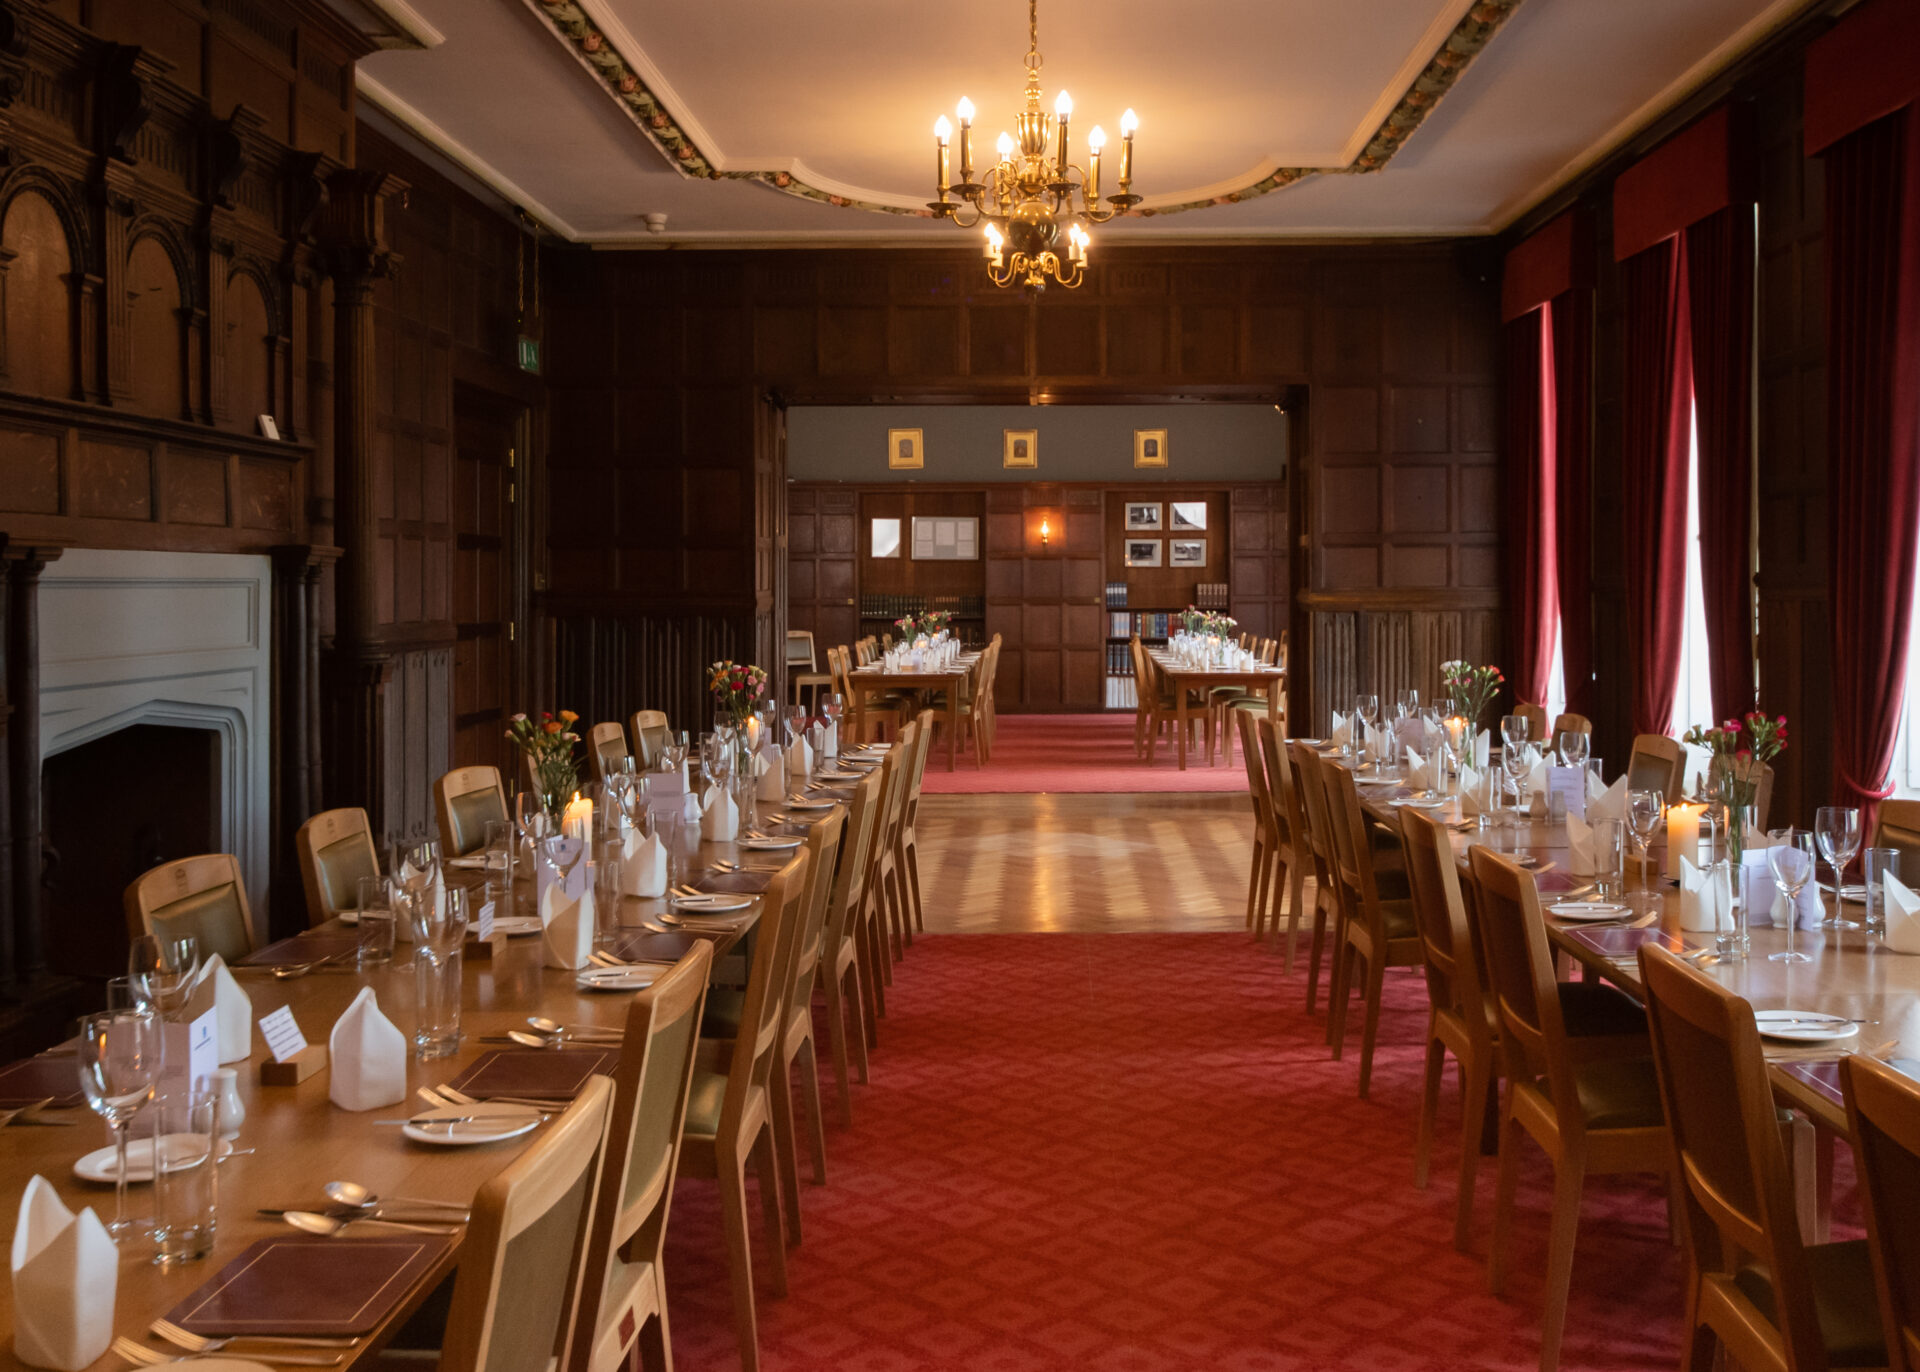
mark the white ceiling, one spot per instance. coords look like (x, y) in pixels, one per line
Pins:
(843, 96)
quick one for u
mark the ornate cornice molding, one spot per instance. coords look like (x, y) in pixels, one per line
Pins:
(621, 78)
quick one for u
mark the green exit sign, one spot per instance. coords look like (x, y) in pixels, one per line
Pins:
(529, 350)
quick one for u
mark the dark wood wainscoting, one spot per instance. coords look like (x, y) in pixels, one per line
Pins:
(1380, 645)
(607, 662)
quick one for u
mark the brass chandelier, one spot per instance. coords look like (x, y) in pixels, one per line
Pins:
(1027, 199)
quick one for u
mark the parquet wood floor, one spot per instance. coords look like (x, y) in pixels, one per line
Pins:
(1022, 864)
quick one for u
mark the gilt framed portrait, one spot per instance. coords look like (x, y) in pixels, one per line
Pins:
(1149, 447)
(904, 449)
(1019, 447)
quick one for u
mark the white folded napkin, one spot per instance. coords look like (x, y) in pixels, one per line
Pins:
(1419, 772)
(1379, 742)
(1579, 846)
(66, 1274)
(1474, 798)
(1606, 802)
(231, 1005)
(566, 920)
(799, 757)
(720, 817)
(1537, 788)
(643, 866)
(1706, 898)
(369, 1057)
(1902, 936)
(830, 739)
(1342, 732)
(770, 767)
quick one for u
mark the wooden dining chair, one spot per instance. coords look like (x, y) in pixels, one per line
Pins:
(1883, 1117)
(849, 1019)
(335, 849)
(1312, 793)
(1657, 763)
(1266, 831)
(803, 667)
(1753, 1287)
(517, 1292)
(607, 746)
(721, 1024)
(907, 859)
(729, 1122)
(1898, 826)
(1154, 704)
(890, 890)
(650, 734)
(1593, 1107)
(1291, 857)
(867, 924)
(1377, 932)
(1571, 724)
(1536, 717)
(1460, 1018)
(201, 897)
(466, 800)
(973, 706)
(875, 716)
(623, 1293)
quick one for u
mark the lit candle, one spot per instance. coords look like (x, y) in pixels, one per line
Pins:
(753, 721)
(1683, 835)
(1096, 140)
(1128, 123)
(942, 131)
(966, 139)
(993, 245)
(577, 820)
(1063, 110)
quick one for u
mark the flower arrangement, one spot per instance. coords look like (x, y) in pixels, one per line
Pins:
(1192, 620)
(548, 746)
(1471, 689)
(933, 621)
(1740, 749)
(909, 627)
(1218, 622)
(735, 687)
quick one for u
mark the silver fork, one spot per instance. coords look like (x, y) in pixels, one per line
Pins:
(142, 1356)
(200, 1343)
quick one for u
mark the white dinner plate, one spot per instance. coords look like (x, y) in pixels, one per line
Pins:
(811, 804)
(1415, 803)
(778, 841)
(1574, 910)
(515, 926)
(615, 979)
(512, 1122)
(841, 776)
(718, 903)
(1804, 1026)
(98, 1166)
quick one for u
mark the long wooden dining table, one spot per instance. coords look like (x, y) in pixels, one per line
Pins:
(1850, 973)
(1268, 681)
(874, 679)
(294, 1140)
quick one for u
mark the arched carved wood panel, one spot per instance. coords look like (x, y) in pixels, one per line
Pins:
(249, 351)
(154, 328)
(39, 300)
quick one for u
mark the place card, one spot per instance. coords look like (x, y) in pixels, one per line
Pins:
(483, 921)
(1569, 785)
(282, 1033)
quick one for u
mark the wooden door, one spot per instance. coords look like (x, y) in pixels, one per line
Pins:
(821, 538)
(487, 483)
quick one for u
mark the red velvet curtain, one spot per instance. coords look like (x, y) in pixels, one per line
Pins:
(1873, 438)
(1719, 277)
(1572, 315)
(1531, 599)
(1655, 403)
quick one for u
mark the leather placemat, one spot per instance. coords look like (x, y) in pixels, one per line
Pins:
(1824, 1076)
(301, 948)
(308, 1285)
(734, 883)
(650, 947)
(52, 1074)
(539, 1073)
(1620, 943)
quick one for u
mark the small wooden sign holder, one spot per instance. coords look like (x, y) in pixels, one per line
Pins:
(295, 1069)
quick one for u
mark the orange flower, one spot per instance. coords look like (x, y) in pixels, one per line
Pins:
(552, 726)
(568, 716)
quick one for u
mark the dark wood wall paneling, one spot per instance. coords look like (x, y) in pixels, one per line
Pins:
(1167, 586)
(662, 360)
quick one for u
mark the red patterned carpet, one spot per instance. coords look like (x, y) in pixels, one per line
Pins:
(1076, 753)
(1133, 1152)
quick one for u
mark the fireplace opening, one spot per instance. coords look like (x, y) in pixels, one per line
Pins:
(111, 809)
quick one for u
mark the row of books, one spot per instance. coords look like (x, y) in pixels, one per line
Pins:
(899, 606)
(1146, 623)
(1207, 595)
(1119, 659)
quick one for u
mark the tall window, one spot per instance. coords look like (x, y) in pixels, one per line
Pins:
(1693, 701)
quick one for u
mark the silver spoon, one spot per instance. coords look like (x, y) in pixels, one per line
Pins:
(354, 1194)
(312, 1223)
(554, 1029)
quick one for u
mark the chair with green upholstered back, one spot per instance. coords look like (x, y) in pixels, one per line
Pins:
(650, 734)
(466, 800)
(623, 1299)
(517, 1291)
(201, 897)
(607, 746)
(336, 850)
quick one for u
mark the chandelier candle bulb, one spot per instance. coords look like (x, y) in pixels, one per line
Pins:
(1096, 140)
(942, 131)
(1128, 123)
(1063, 108)
(965, 111)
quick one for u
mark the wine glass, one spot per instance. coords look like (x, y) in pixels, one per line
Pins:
(1514, 730)
(1517, 762)
(1644, 812)
(1406, 704)
(120, 1055)
(1790, 859)
(166, 966)
(1837, 829)
(1573, 745)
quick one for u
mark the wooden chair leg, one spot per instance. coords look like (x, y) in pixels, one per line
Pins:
(1436, 1062)
(1253, 879)
(912, 854)
(654, 1349)
(808, 1062)
(1314, 950)
(767, 1161)
(1509, 1177)
(733, 1218)
(1296, 899)
(1375, 992)
(1475, 1088)
(786, 1149)
(1569, 1177)
(1338, 995)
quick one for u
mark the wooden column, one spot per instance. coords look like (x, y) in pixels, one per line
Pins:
(353, 240)
(26, 945)
(297, 569)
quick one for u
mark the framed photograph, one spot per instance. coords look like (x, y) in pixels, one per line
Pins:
(1149, 447)
(1187, 552)
(945, 539)
(1189, 516)
(1143, 517)
(1019, 447)
(904, 451)
(886, 538)
(1143, 552)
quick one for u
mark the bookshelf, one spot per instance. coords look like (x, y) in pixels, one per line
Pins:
(1153, 624)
